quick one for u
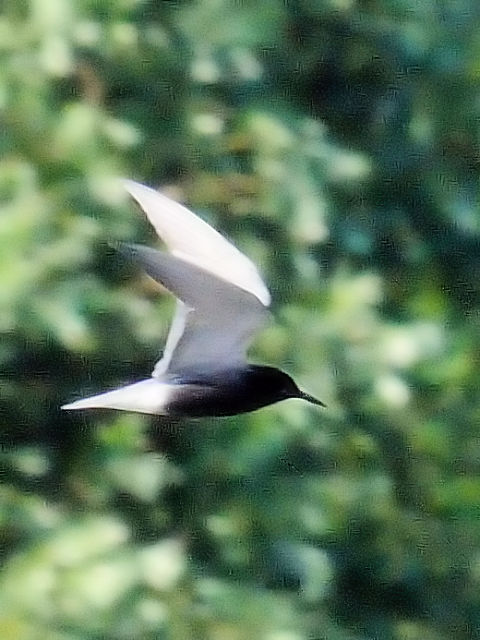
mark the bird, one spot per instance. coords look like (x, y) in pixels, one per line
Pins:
(221, 303)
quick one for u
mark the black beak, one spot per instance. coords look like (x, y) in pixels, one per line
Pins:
(306, 396)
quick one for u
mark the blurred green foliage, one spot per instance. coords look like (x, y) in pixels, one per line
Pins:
(337, 143)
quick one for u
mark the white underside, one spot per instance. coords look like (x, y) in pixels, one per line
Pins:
(147, 396)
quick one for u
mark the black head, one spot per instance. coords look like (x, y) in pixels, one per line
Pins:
(233, 391)
(274, 385)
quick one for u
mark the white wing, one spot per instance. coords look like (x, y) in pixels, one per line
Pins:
(176, 331)
(204, 332)
(214, 322)
(189, 237)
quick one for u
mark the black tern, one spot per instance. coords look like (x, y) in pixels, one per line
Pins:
(221, 303)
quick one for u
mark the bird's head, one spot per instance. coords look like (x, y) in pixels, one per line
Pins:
(281, 386)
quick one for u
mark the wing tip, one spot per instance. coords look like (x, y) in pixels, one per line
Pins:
(137, 189)
(264, 297)
(128, 183)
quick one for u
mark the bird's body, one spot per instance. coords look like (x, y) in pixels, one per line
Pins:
(221, 303)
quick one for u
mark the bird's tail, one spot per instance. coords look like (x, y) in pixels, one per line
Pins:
(146, 396)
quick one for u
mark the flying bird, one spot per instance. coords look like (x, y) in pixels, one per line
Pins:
(222, 302)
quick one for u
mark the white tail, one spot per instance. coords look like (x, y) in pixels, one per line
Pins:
(147, 396)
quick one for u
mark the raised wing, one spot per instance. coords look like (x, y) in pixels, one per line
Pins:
(176, 331)
(189, 237)
(215, 320)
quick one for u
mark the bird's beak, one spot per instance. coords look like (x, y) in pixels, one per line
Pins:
(306, 396)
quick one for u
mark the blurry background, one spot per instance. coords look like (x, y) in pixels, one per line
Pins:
(337, 143)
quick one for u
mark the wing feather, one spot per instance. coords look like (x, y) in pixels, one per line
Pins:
(189, 237)
(215, 322)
